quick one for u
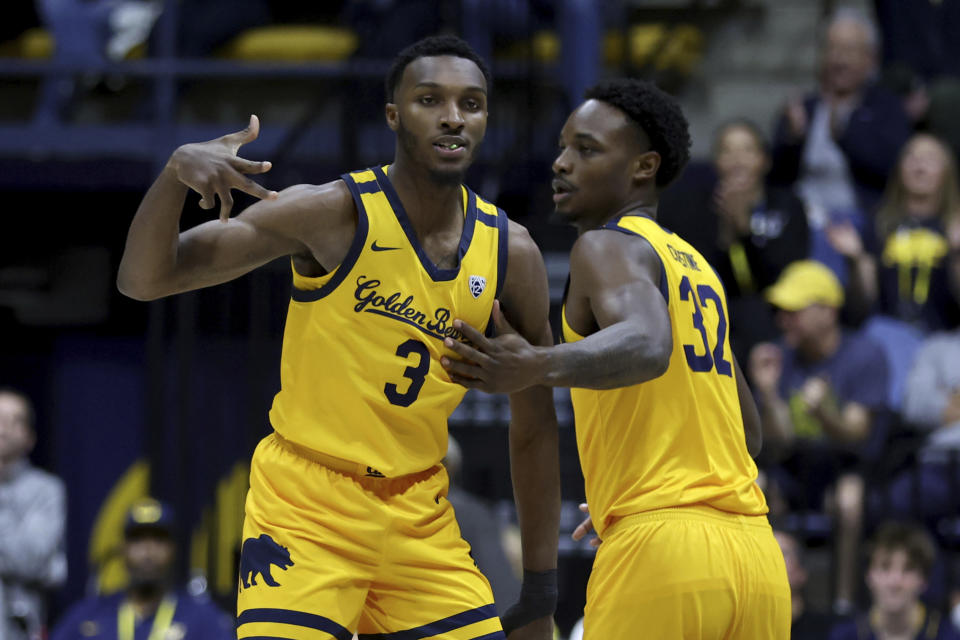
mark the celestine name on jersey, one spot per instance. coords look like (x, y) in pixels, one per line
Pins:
(439, 324)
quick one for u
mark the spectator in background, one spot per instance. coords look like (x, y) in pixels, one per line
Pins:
(822, 401)
(754, 233)
(901, 558)
(932, 404)
(807, 624)
(918, 226)
(32, 521)
(150, 606)
(495, 550)
(839, 144)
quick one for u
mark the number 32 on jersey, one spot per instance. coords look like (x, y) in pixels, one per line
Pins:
(702, 357)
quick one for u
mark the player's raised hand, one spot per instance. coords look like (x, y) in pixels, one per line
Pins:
(503, 364)
(213, 168)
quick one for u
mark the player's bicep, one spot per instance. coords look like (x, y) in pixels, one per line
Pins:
(620, 275)
(637, 301)
(215, 252)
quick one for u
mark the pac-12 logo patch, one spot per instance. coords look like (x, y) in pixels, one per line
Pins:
(477, 285)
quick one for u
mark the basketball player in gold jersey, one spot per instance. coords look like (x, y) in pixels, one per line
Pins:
(665, 422)
(347, 527)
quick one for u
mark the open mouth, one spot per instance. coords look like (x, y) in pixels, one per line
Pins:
(561, 190)
(450, 147)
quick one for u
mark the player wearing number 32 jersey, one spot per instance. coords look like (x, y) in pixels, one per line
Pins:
(665, 422)
(347, 526)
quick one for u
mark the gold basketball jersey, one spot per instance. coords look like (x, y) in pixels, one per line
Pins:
(677, 439)
(360, 374)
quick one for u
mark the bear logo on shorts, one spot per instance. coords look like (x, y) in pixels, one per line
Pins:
(257, 555)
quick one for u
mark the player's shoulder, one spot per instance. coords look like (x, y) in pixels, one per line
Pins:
(599, 248)
(520, 239)
(329, 196)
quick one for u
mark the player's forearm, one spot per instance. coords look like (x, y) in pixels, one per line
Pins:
(617, 356)
(535, 469)
(150, 255)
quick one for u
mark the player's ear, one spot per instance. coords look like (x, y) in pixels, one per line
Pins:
(393, 116)
(645, 166)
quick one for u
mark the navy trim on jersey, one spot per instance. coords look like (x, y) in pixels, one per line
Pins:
(445, 625)
(370, 186)
(356, 247)
(496, 635)
(297, 618)
(664, 289)
(503, 248)
(487, 219)
(469, 220)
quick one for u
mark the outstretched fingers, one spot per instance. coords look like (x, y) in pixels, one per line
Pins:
(254, 189)
(226, 203)
(246, 135)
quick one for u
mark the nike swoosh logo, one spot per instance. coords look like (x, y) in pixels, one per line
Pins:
(376, 247)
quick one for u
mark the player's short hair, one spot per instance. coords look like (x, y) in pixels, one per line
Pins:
(433, 46)
(909, 538)
(25, 399)
(741, 123)
(657, 114)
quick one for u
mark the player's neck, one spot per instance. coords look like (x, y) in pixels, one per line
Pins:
(430, 204)
(644, 207)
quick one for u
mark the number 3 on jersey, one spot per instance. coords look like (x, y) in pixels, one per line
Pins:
(417, 373)
(710, 358)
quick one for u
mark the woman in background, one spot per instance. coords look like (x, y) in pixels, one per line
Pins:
(915, 273)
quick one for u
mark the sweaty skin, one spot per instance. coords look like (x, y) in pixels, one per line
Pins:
(439, 114)
(604, 169)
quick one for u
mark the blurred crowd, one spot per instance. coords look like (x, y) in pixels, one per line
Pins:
(838, 239)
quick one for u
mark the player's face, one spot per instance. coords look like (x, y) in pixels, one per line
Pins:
(739, 156)
(16, 436)
(440, 115)
(149, 557)
(923, 167)
(594, 173)
(894, 583)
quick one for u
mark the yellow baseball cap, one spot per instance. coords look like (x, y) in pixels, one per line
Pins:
(805, 283)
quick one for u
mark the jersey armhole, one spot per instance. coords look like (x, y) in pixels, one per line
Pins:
(503, 248)
(322, 286)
